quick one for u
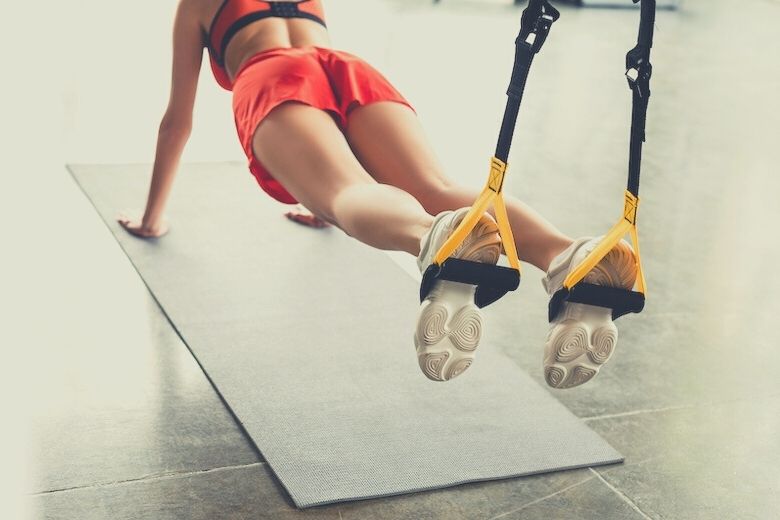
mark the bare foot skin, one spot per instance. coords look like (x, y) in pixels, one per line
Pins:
(136, 227)
(305, 217)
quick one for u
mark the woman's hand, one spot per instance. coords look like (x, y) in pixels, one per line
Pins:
(136, 227)
(305, 217)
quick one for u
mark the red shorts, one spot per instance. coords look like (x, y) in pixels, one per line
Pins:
(327, 79)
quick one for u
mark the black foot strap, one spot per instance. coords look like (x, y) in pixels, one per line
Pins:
(621, 301)
(492, 281)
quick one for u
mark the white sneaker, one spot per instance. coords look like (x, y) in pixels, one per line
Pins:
(582, 337)
(449, 326)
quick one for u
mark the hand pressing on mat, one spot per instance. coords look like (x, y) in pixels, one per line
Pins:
(136, 227)
(305, 217)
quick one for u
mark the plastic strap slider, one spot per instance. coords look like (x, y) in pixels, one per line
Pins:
(497, 174)
(630, 208)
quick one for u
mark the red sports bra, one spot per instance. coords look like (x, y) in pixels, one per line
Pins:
(234, 15)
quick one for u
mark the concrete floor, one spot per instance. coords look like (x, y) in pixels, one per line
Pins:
(115, 418)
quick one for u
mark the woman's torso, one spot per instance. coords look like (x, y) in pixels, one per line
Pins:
(255, 36)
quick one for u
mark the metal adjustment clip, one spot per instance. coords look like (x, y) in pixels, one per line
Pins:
(638, 70)
(537, 20)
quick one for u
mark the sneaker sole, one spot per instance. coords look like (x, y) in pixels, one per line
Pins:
(449, 326)
(577, 349)
(448, 331)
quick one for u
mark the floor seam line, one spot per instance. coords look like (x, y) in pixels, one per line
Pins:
(532, 502)
(638, 412)
(641, 411)
(621, 495)
(146, 478)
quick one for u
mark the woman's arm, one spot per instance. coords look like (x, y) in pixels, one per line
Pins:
(176, 124)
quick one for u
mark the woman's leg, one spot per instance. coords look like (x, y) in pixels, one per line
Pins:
(304, 149)
(389, 141)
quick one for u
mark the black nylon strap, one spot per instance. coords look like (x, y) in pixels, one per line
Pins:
(535, 25)
(492, 281)
(621, 301)
(638, 71)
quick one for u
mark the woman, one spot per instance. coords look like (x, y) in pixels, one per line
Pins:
(323, 128)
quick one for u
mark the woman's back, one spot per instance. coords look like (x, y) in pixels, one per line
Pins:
(235, 30)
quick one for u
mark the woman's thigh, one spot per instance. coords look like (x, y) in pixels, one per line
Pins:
(303, 148)
(390, 143)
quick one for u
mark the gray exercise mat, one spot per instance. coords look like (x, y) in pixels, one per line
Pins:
(307, 335)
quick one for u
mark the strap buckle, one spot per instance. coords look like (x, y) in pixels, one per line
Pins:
(639, 70)
(541, 29)
(536, 22)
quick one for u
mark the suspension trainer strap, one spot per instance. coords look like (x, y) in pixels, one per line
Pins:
(638, 72)
(494, 281)
(535, 25)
